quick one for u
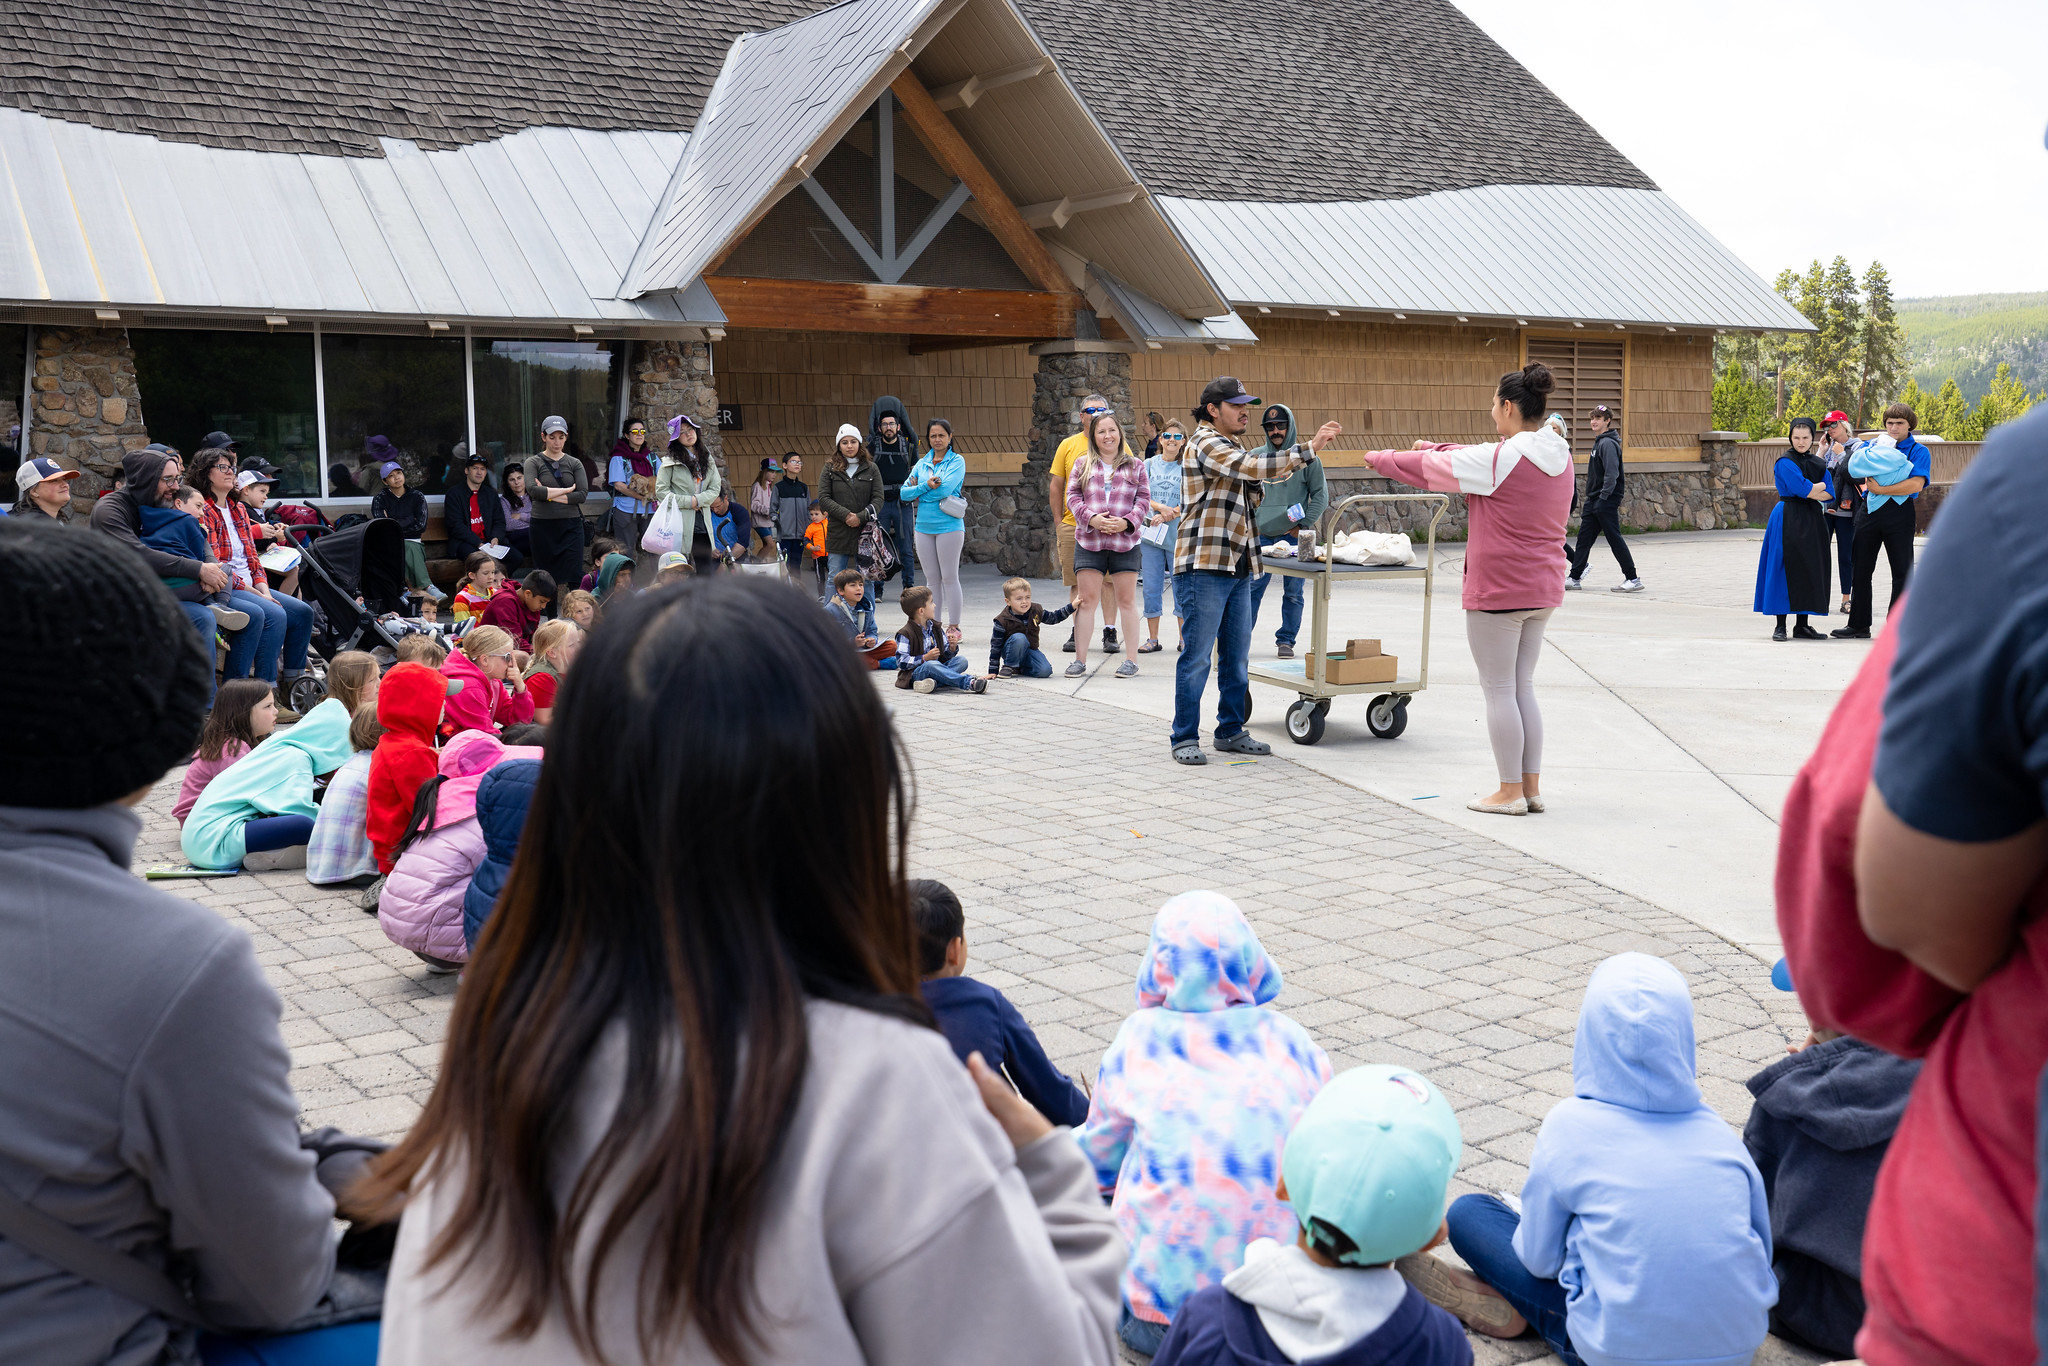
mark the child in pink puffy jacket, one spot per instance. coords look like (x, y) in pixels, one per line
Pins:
(421, 905)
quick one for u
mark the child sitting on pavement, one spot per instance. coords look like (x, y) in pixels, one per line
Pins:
(1195, 1096)
(925, 658)
(848, 606)
(975, 1017)
(1822, 1123)
(1013, 649)
(176, 529)
(1365, 1169)
(481, 575)
(1643, 1233)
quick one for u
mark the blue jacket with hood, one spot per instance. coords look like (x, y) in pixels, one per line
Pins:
(501, 802)
(1641, 1200)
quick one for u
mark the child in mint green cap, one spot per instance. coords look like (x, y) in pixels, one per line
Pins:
(1366, 1168)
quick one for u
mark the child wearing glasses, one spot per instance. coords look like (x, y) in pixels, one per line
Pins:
(1162, 473)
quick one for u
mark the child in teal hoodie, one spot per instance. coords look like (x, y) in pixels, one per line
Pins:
(1643, 1236)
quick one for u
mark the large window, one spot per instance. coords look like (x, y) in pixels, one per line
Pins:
(406, 390)
(255, 386)
(13, 360)
(519, 383)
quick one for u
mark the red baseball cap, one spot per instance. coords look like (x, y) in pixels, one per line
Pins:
(1836, 416)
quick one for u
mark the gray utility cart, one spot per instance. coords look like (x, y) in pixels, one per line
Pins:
(1387, 717)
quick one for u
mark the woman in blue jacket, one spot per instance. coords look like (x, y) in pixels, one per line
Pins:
(934, 486)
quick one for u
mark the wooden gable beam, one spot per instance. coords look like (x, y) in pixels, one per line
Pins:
(998, 214)
(916, 310)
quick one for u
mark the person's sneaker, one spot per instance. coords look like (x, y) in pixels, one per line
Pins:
(1627, 586)
(1007, 671)
(1076, 669)
(270, 860)
(1846, 634)
(978, 685)
(438, 967)
(286, 716)
(1068, 648)
(1572, 585)
(371, 895)
(1469, 1299)
(1109, 641)
(229, 618)
(924, 685)
(1285, 650)
(1127, 669)
(434, 594)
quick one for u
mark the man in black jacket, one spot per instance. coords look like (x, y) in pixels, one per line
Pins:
(473, 512)
(894, 447)
(148, 477)
(1601, 513)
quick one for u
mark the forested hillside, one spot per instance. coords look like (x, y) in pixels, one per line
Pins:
(1965, 336)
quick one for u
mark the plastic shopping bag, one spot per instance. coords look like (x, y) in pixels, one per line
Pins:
(665, 532)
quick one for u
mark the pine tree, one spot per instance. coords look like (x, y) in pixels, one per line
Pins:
(2006, 400)
(1821, 371)
(1945, 413)
(1746, 404)
(1882, 357)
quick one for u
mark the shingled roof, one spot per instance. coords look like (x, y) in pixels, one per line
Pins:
(1342, 100)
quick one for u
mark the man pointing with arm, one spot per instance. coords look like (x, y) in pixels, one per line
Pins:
(1216, 559)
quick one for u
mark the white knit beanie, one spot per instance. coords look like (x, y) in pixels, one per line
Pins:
(846, 429)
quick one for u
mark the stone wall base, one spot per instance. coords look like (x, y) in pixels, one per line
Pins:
(87, 411)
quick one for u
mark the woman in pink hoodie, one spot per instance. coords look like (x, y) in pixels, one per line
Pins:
(1518, 492)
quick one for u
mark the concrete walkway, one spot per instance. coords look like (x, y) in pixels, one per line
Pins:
(1674, 724)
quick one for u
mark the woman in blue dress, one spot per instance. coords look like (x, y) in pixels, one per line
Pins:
(1792, 571)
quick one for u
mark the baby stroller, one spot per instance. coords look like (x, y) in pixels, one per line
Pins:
(366, 561)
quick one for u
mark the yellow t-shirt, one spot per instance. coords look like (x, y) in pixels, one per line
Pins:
(1062, 466)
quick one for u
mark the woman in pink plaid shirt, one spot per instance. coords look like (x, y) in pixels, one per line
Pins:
(1110, 499)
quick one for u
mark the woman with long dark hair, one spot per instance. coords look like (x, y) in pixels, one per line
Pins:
(695, 1110)
(690, 473)
(849, 492)
(1792, 568)
(1518, 492)
(518, 509)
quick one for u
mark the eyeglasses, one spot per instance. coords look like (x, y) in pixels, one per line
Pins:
(1093, 412)
(1172, 436)
(503, 654)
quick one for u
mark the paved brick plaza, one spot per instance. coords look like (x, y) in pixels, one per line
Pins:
(1063, 825)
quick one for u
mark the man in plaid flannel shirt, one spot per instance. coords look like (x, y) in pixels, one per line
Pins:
(1215, 561)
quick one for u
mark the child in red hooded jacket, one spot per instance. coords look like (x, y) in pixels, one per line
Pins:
(409, 708)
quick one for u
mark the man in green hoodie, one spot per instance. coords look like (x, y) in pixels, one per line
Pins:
(1295, 502)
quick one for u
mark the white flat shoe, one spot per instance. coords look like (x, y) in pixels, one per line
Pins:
(1518, 807)
(1535, 804)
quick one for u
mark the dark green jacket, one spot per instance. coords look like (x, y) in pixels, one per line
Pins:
(1305, 486)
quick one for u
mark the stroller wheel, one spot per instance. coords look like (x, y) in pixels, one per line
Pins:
(306, 693)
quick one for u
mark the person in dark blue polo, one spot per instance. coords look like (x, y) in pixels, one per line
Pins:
(975, 1017)
(1888, 529)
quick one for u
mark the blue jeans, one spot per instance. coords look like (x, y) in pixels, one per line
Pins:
(286, 627)
(835, 563)
(206, 623)
(1216, 613)
(1157, 577)
(350, 1344)
(1018, 654)
(950, 674)
(1140, 1335)
(1483, 1233)
(267, 833)
(1291, 592)
(900, 521)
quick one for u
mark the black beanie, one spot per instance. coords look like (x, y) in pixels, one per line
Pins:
(107, 678)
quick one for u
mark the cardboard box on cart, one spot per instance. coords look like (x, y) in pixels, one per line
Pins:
(1343, 669)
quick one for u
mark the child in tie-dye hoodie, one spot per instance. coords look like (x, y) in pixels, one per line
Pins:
(1194, 1101)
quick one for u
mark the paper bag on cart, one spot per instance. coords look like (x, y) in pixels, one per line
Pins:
(1361, 649)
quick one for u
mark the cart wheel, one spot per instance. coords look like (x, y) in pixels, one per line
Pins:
(1322, 706)
(1305, 720)
(1387, 717)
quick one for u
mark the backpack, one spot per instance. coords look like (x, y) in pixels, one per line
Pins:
(877, 554)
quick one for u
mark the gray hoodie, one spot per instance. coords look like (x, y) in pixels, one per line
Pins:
(144, 1101)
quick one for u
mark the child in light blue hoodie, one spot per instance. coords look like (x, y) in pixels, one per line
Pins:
(1643, 1236)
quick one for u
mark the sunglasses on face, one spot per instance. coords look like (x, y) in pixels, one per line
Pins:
(1093, 412)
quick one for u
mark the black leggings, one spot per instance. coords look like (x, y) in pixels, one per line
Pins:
(558, 548)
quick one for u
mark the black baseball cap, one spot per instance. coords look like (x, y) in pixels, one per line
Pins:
(1224, 389)
(259, 465)
(214, 441)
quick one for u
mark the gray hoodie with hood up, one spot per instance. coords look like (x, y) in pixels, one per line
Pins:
(119, 514)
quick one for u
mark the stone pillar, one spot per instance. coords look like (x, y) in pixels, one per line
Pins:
(87, 411)
(1723, 480)
(1068, 371)
(670, 377)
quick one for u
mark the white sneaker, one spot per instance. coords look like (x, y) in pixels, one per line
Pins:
(1627, 586)
(1572, 585)
(925, 685)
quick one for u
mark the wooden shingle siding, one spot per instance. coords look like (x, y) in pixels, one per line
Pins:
(1671, 393)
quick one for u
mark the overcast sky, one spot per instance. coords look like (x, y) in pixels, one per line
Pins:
(1932, 118)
